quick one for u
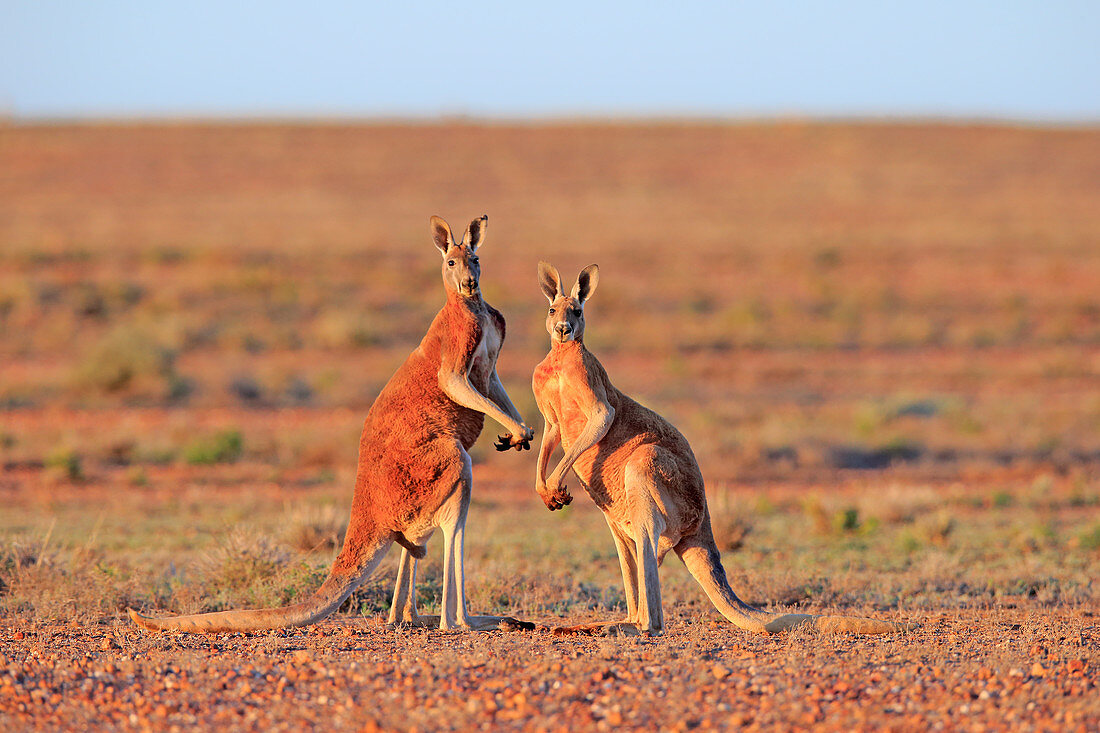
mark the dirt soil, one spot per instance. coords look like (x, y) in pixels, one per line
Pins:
(976, 670)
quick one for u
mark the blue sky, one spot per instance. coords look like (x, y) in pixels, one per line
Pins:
(1018, 60)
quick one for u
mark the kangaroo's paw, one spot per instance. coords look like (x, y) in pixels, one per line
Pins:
(507, 442)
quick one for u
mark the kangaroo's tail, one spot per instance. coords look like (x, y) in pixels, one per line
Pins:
(701, 557)
(342, 581)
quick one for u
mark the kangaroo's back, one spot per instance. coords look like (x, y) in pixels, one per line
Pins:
(412, 408)
(409, 433)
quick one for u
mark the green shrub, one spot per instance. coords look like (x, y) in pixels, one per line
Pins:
(67, 462)
(846, 520)
(223, 447)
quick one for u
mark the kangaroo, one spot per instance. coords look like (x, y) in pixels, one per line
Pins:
(414, 470)
(641, 472)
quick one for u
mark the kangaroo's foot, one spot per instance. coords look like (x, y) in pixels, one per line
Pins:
(622, 628)
(414, 622)
(490, 623)
(509, 623)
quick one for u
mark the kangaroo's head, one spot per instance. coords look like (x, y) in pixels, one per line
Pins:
(565, 319)
(461, 270)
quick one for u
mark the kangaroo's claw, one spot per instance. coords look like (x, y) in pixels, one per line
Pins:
(504, 442)
(559, 500)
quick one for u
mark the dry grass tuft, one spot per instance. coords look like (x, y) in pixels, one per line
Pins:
(312, 529)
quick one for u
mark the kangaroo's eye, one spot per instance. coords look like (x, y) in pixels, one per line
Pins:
(450, 263)
(551, 311)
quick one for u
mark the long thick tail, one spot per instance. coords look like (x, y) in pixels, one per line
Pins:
(705, 565)
(341, 583)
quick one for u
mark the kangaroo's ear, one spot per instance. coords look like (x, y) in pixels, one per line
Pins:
(586, 283)
(549, 281)
(475, 233)
(441, 235)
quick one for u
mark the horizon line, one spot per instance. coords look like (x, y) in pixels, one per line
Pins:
(580, 118)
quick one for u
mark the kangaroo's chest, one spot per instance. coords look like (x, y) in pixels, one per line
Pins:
(567, 404)
(485, 353)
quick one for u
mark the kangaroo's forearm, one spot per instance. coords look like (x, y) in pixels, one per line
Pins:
(500, 397)
(597, 427)
(551, 437)
(459, 389)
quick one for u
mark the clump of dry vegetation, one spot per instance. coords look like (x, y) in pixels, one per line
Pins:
(316, 528)
(129, 360)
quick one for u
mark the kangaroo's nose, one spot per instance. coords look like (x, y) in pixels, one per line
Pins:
(471, 283)
(563, 328)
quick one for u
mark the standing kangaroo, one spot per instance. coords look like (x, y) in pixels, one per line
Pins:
(641, 473)
(414, 469)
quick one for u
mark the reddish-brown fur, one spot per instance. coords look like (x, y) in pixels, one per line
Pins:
(414, 469)
(414, 433)
(640, 471)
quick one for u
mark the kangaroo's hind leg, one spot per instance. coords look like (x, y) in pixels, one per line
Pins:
(628, 564)
(647, 523)
(403, 611)
(452, 520)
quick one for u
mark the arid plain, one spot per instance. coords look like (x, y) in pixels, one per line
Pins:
(882, 341)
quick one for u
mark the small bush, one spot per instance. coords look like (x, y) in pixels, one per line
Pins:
(846, 520)
(298, 391)
(246, 389)
(938, 527)
(242, 560)
(223, 447)
(1090, 538)
(127, 359)
(730, 532)
(311, 529)
(245, 570)
(67, 463)
(908, 542)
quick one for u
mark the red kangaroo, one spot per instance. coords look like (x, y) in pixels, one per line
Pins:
(641, 473)
(414, 469)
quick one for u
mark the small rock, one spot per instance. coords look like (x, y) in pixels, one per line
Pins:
(108, 644)
(1038, 670)
(720, 672)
